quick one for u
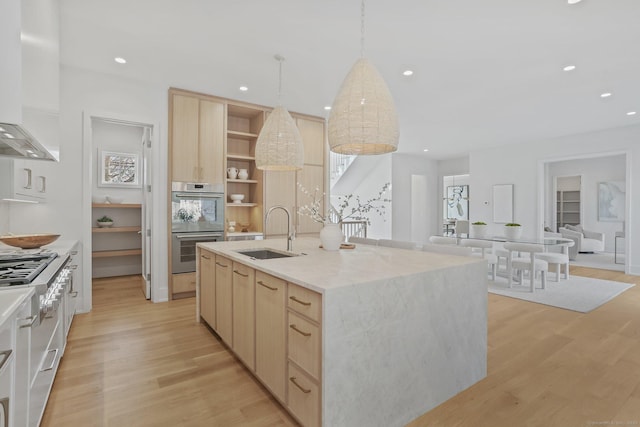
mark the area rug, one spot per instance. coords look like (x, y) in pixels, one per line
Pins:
(581, 294)
(603, 261)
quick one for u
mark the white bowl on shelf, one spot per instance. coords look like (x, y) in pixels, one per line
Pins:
(237, 198)
(104, 224)
(115, 200)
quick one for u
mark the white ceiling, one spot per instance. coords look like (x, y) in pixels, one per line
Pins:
(487, 73)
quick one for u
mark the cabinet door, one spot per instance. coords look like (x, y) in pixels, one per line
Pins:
(208, 287)
(211, 163)
(224, 323)
(244, 314)
(184, 138)
(312, 133)
(310, 177)
(270, 332)
(280, 189)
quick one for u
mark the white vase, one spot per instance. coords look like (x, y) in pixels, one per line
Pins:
(478, 231)
(331, 236)
(512, 233)
(243, 174)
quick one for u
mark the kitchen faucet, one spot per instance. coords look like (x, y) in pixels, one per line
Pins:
(290, 235)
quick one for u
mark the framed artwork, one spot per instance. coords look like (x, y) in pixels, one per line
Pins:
(611, 196)
(503, 203)
(119, 170)
(457, 202)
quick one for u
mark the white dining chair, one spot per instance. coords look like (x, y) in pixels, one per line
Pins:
(486, 252)
(461, 227)
(559, 259)
(363, 240)
(521, 263)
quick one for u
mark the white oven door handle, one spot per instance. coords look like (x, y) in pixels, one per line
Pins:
(192, 236)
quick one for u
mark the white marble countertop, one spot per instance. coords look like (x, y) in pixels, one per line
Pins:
(10, 300)
(322, 270)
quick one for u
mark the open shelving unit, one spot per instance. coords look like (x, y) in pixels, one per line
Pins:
(243, 126)
(131, 220)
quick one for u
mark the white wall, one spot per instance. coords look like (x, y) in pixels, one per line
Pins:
(593, 171)
(404, 167)
(523, 166)
(4, 218)
(85, 93)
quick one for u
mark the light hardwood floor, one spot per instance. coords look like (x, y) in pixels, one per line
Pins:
(133, 363)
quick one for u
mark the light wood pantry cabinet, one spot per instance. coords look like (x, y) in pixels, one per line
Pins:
(281, 188)
(270, 332)
(242, 176)
(208, 287)
(117, 250)
(196, 137)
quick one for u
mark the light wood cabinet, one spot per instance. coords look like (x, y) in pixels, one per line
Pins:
(310, 177)
(183, 282)
(197, 138)
(280, 189)
(304, 344)
(304, 397)
(224, 297)
(313, 139)
(243, 313)
(270, 332)
(305, 302)
(208, 287)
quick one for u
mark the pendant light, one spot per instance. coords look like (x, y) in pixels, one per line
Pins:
(363, 118)
(279, 146)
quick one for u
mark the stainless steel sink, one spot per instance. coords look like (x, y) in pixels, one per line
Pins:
(266, 253)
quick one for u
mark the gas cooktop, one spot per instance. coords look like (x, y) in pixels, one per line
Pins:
(21, 267)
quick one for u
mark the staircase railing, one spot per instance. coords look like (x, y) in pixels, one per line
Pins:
(350, 228)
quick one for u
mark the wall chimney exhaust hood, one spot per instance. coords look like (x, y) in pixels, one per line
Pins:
(25, 137)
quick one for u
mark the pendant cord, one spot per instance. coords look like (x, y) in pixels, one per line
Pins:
(362, 29)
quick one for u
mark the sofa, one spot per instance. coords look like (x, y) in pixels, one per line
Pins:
(585, 241)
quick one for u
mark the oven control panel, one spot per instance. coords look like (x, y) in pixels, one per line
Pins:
(51, 299)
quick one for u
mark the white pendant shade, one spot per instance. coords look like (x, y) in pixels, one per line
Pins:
(279, 146)
(363, 117)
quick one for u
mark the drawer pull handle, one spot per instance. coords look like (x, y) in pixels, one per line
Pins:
(205, 257)
(306, 334)
(33, 319)
(221, 264)
(53, 361)
(73, 294)
(260, 282)
(304, 390)
(299, 302)
(240, 274)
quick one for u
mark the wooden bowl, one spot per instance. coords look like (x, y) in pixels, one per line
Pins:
(29, 241)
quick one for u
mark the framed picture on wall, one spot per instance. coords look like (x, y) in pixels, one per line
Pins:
(118, 169)
(611, 201)
(457, 202)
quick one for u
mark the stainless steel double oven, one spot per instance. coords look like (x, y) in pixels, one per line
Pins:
(197, 215)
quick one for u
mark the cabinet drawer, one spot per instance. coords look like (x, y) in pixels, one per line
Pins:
(305, 301)
(184, 282)
(304, 344)
(304, 397)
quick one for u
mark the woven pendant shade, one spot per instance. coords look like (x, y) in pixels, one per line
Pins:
(363, 117)
(279, 146)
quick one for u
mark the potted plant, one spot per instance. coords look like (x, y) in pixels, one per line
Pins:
(512, 231)
(479, 229)
(105, 221)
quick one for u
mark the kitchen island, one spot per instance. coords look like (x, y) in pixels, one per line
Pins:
(400, 331)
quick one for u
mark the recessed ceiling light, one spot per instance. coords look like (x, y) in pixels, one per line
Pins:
(573, 1)
(631, 113)
(120, 60)
(327, 107)
(407, 73)
(605, 95)
(243, 88)
(425, 150)
(569, 68)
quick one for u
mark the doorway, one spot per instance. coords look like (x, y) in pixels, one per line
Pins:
(120, 169)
